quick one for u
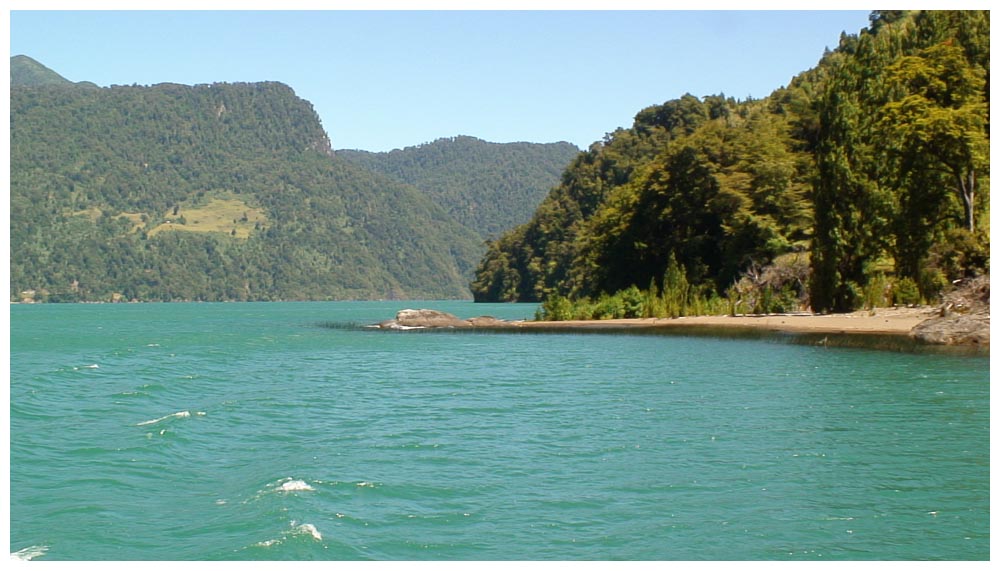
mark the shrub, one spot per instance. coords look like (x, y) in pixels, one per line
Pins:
(905, 292)
(555, 308)
(675, 289)
(608, 307)
(960, 254)
(652, 304)
(632, 302)
(933, 282)
(784, 300)
(878, 292)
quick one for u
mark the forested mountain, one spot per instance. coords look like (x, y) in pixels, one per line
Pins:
(25, 71)
(488, 187)
(863, 182)
(211, 192)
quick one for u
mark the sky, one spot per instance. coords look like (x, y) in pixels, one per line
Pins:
(386, 79)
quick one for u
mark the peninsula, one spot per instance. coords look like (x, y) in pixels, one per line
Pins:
(961, 320)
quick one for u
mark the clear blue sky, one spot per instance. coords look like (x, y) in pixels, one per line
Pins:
(381, 80)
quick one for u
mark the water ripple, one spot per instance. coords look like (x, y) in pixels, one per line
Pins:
(244, 431)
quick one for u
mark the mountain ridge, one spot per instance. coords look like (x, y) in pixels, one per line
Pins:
(211, 192)
(26, 72)
(488, 187)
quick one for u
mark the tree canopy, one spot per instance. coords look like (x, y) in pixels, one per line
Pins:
(211, 192)
(873, 166)
(487, 187)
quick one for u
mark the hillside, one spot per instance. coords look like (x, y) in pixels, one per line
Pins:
(488, 187)
(27, 72)
(864, 182)
(211, 192)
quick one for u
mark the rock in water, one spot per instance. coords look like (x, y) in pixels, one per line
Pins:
(428, 318)
(434, 319)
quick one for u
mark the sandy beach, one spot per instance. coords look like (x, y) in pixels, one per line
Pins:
(891, 327)
(888, 321)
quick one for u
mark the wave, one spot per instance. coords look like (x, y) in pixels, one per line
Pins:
(295, 486)
(283, 486)
(181, 414)
(130, 394)
(310, 529)
(291, 484)
(29, 553)
(305, 529)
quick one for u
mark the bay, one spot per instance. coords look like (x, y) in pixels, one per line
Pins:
(287, 431)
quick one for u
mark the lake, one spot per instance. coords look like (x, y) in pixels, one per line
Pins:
(287, 431)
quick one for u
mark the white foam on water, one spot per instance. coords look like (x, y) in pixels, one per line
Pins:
(303, 529)
(284, 485)
(29, 553)
(296, 486)
(311, 530)
(181, 414)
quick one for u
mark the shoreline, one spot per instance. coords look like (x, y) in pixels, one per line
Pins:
(897, 329)
(888, 321)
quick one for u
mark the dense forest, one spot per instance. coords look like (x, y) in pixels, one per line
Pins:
(488, 187)
(232, 192)
(209, 192)
(863, 183)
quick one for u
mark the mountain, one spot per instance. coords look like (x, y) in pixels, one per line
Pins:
(862, 183)
(26, 72)
(488, 187)
(210, 192)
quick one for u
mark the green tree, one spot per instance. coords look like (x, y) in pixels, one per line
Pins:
(938, 120)
(875, 161)
(902, 151)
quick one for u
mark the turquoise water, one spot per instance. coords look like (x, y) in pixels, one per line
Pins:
(256, 431)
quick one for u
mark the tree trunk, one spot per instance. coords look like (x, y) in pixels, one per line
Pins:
(967, 188)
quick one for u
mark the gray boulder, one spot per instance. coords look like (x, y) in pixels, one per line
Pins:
(423, 319)
(954, 329)
(434, 319)
(964, 317)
